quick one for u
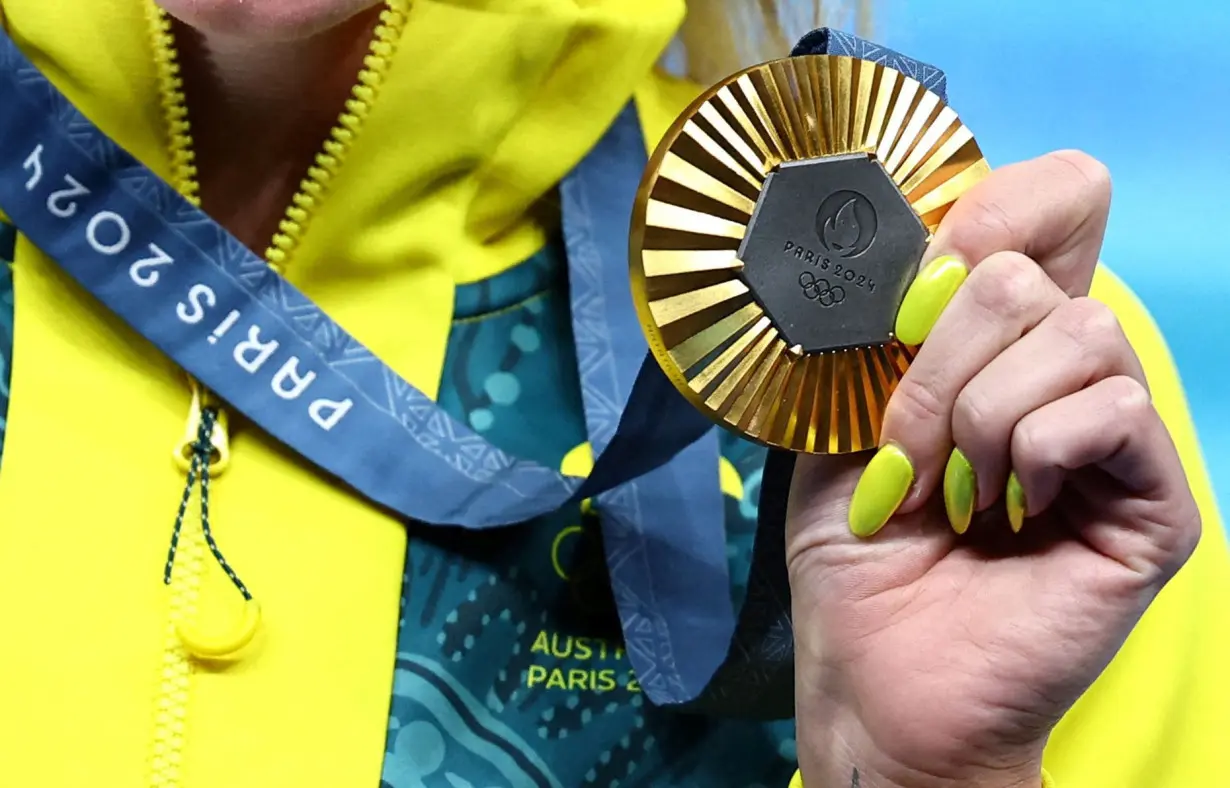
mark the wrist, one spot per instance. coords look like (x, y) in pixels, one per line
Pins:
(857, 778)
(837, 772)
(831, 754)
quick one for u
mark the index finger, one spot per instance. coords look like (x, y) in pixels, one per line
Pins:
(1052, 209)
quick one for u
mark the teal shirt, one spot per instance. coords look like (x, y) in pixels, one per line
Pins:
(509, 667)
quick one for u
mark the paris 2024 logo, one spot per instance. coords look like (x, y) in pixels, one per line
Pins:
(846, 225)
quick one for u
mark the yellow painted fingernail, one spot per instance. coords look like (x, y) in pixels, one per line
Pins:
(933, 288)
(960, 489)
(882, 488)
(1015, 502)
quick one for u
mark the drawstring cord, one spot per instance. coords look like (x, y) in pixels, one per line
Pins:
(199, 457)
(202, 451)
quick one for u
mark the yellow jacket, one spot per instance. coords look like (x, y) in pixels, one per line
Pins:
(475, 109)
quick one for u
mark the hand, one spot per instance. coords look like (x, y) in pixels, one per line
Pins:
(942, 649)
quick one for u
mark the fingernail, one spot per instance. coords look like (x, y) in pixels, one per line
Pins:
(960, 488)
(931, 291)
(882, 488)
(1015, 501)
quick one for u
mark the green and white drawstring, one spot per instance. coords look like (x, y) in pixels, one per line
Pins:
(202, 458)
(214, 646)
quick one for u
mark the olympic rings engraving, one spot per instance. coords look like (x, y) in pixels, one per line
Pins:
(820, 290)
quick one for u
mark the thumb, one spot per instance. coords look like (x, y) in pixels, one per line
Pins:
(820, 491)
(818, 515)
(819, 538)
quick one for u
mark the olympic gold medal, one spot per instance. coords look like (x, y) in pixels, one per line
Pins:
(777, 228)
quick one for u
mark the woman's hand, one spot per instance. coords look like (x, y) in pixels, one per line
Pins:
(936, 645)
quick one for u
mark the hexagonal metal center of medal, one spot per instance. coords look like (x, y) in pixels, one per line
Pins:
(830, 251)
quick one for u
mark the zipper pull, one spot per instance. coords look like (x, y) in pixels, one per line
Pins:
(204, 452)
(220, 456)
(225, 644)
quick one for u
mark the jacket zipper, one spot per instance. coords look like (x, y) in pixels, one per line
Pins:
(178, 665)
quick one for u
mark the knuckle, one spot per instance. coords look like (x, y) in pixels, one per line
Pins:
(917, 400)
(982, 223)
(973, 412)
(1032, 446)
(1190, 531)
(1005, 283)
(1089, 322)
(1182, 537)
(1092, 175)
(1129, 399)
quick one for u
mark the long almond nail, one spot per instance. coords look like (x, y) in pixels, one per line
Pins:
(927, 297)
(1015, 503)
(960, 489)
(880, 491)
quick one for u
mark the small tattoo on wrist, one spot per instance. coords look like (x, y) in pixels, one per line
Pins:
(854, 782)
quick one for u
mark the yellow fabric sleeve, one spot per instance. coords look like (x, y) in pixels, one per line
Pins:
(1157, 716)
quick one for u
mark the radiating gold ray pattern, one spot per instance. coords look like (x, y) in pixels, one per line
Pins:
(705, 327)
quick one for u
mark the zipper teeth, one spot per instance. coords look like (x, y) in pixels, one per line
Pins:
(175, 672)
(174, 105)
(332, 155)
(177, 667)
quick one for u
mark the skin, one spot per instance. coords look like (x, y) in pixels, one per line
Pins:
(927, 659)
(923, 659)
(264, 80)
(268, 21)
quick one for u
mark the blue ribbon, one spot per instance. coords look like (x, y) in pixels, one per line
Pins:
(180, 280)
(217, 310)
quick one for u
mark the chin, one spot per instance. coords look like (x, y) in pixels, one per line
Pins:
(264, 20)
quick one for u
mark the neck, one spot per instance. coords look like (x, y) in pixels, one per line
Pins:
(260, 113)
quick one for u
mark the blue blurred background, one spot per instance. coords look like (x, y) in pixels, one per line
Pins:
(1143, 86)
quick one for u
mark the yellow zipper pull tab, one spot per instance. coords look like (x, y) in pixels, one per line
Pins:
(206, 416)
(224, 644)
(219, 439)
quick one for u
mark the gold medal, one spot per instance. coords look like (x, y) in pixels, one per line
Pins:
(778, 226)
